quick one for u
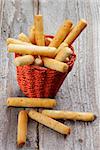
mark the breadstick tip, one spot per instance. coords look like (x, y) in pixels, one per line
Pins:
(23, 37)
(38, 16)
(84, 21)
(69, 21)
(23, 111)
(21, 34)
(95, 117)
(24, 60)
(38, 61)
(8, 47)
(8, 41)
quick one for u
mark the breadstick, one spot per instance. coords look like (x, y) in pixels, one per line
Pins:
(23, 37)
(48, 41)
(31, 102)
(63, 54)
(55, 65)
(39, 35)
(38, 61)
(32, 50)
(32, 34)
(22, 128)
(75, 32)
(49, 122)
(61, 34)
(62, 46)
(24, 60)
(15, 41)
(59, 114)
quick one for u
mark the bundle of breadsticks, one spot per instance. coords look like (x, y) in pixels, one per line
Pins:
(37, 49)
(46, 117)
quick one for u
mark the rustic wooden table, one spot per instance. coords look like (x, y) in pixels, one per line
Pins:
(79, 91)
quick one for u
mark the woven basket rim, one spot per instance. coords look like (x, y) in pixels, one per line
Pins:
(43, 68)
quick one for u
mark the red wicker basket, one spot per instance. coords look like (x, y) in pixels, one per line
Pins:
(40, 82)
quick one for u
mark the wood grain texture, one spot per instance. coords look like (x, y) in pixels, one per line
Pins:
(80, 90)
(13, 21)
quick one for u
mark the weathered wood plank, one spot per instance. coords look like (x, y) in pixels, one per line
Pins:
(79, 90)
(15, 17)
